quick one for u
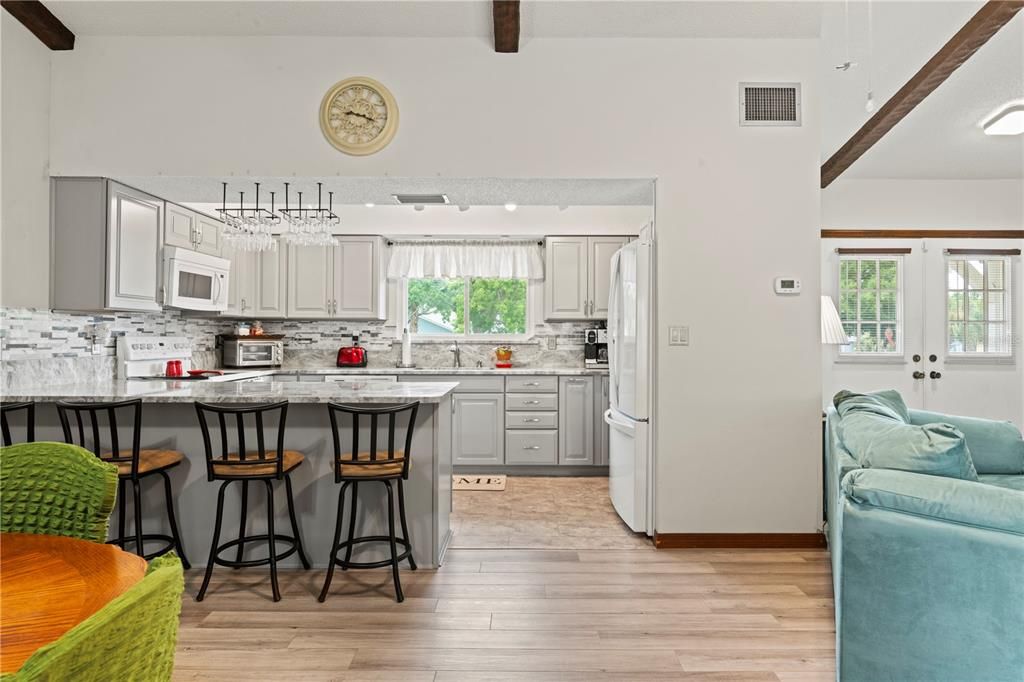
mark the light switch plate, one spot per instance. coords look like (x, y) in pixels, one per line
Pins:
(552, 343)
(679, 336)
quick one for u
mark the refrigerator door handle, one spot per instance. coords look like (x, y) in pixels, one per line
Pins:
(621, 424)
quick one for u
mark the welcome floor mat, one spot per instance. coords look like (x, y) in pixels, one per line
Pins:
(482, 482)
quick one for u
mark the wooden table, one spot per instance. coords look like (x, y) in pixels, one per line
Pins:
(49, 584)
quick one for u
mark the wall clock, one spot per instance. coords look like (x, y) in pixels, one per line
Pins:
(359, 116)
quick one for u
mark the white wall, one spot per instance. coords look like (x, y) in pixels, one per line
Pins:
(25, 115)
(737, 421)
(923, 204)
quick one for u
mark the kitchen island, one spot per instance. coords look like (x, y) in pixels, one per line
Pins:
(169, 421)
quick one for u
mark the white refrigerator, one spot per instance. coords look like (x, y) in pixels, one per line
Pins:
(630, 360)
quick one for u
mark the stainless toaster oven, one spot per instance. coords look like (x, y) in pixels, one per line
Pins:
(252, 351)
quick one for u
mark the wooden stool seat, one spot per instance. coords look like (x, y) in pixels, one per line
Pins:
(388, 466)
(150, 461)
(259, 467)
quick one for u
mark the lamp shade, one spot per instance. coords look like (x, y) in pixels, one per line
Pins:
(831, 326)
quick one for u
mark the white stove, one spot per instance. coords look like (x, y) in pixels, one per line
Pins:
(146, 356)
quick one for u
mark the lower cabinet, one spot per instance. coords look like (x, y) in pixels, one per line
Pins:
(478, 425)
(601, 403)
(539, 446)
(576, 420)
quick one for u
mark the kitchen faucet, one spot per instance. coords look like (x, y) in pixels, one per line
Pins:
(456, 354)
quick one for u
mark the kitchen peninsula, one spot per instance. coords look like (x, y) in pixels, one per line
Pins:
(169, 421)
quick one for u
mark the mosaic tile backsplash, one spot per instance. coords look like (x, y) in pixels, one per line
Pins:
(43, 345)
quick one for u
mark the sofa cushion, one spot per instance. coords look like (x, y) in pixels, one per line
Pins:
(888, 403)
(1011, 481)
(996, 447)
(883, 442)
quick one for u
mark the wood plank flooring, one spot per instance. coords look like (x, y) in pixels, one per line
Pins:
(491, 615)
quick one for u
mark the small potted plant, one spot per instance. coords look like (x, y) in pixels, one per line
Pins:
(503, 356)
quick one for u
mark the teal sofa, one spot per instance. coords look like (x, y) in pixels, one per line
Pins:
(928, 570)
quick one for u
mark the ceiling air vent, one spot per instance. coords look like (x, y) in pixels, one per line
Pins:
(421, 199)
(769, 104)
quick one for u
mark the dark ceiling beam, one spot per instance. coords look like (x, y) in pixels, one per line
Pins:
(506, 25)
(36, 18)
(968, 40)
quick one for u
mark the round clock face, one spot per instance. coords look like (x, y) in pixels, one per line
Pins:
(359, 116)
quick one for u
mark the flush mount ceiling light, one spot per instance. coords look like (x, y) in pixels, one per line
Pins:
(1008, 120)
(510, 206)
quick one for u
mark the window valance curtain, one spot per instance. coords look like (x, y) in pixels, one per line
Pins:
(447, 259)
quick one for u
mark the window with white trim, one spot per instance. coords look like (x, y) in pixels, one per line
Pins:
(468, 307)
(871, 304)
(978, 306)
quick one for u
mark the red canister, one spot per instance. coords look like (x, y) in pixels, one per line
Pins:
(174, 368)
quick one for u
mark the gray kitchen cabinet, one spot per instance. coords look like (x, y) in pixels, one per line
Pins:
(105, 251)
(241, 281)
(599, 261)
(208, 231)
(531, 447)
(478, 428)
(576, 420)
(602, 401)
(359, 285)
(271, 286)
(180, 226)
(577, 276)
(310, 281)
(191, 230)
(565, 278)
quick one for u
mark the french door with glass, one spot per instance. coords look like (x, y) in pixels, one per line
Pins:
(937, 319)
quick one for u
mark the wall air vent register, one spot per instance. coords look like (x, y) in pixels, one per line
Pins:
(769, 104)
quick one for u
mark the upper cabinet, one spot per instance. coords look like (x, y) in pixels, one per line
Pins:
(241, 281)
(577, 277)
(105, 252)
(360, 291)
(270, 286)
(343, 282)
(191, 230)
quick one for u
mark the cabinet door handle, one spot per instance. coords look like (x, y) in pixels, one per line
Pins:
(531, 421)
(575, 381)
(532, 383)
(531, 447)
(531, 402)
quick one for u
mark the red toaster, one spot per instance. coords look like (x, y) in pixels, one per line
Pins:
(352, 356)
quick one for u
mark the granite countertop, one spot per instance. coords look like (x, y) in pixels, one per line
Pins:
(368, 392)
(425, 371)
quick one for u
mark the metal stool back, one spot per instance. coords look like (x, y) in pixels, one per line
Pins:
(103, 417)
(101, 432)
(244, 463)
(378, 465)
(7, 410)
(241, 464)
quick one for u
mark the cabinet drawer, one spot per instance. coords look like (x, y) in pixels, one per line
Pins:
(531, 384)
(531, 420)
(531, 447)
(467, 383)
(531, 401)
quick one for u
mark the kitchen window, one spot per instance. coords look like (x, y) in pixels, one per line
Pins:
(978, 307)
(468, 307)
(871, 304)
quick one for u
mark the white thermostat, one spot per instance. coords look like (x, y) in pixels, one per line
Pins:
(787, 285)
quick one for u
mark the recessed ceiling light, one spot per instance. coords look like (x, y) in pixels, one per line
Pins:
(510, 206)
(463, 209)
(418, 207)
(1008, 120)
(370, 204)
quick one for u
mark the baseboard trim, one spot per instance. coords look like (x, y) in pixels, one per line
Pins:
(739, 540)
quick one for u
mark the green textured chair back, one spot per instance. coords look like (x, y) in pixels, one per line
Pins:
(55, 489)
(131, 638)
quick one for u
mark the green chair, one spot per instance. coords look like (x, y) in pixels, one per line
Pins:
(131, 638)
(55, 489)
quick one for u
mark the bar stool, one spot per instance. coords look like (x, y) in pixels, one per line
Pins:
(132, 467)
(242, 465)
(373, 465)
(7, 409)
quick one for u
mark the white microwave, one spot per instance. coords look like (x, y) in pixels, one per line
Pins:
(195, 281)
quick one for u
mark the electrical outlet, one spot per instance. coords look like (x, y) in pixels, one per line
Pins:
(552, 343)
(679, 336)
